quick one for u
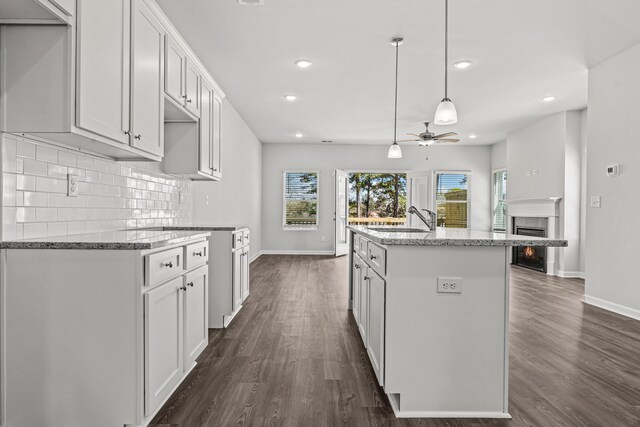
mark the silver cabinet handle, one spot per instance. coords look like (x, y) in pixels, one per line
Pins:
(240, 239)
(372, 257)
(169, 264)
(127, 132)
(357, 267)
(184, 96)
(197, 253)
(190, 284)
(188, 100)
(138, 137)
(183, 288)
(366, 278)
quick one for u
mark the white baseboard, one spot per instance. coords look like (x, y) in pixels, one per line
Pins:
(571, 274)
(612, 306)
(294, 252)
(445, 414)
(255, 257)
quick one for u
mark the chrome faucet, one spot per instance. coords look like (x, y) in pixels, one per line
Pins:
(430, 223)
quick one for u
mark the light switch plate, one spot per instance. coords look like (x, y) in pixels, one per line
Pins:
(72, 185)
(449, 285)
(595, 201)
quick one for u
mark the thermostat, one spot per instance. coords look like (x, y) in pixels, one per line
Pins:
(613, 170)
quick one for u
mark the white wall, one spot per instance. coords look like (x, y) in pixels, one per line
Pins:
(613, 234)
(583, 189)
(279, 157)
(236, 199)
(499, 155)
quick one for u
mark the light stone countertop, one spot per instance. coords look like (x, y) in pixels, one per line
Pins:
(452, 237)
(203, 227)
(135, 239)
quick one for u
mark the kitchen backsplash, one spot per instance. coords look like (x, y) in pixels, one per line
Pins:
(112, 195)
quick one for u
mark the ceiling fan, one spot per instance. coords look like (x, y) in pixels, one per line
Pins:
(427, 138)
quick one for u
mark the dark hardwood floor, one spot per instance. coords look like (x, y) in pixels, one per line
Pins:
(293, 357)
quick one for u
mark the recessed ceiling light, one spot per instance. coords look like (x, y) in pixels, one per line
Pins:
(303, 63)
(290, 97)
(549, 98)
(298, 135)
(473, 136)
(461, 65)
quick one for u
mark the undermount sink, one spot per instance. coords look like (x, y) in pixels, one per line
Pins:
(399, 229)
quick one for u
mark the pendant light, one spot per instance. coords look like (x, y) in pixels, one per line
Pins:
(446, 113)
(395, 152)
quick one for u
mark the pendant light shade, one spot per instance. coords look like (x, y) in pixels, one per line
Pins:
(395, 152)
(446, 113)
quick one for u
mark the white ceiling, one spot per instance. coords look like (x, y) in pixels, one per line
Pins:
(522, 50)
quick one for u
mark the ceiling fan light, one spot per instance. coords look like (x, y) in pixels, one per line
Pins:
(395, 152)
(446, 113)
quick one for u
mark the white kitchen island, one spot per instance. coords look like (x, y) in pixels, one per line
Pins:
(433, 312)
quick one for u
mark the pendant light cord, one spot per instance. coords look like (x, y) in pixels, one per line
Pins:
(395, 117)
(446, 48)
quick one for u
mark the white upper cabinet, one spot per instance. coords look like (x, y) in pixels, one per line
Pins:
(103, 68)
(175, 67)
(147, 100)
(38, 12)
(205, 164)
(216, 133)
(192, 88)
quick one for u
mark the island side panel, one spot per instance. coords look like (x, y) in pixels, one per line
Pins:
(74, 320)
(445, 353)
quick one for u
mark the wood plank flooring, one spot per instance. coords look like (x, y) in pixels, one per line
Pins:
(293, 357)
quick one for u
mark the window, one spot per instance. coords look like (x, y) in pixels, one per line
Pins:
(377, 198)
(300, 204)
(500, 200)
(452, 199)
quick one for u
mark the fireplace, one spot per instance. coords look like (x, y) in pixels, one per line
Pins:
(533, 257)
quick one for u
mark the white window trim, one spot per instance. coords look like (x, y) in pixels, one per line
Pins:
(286, 227)
(434, 180)
(493, 199)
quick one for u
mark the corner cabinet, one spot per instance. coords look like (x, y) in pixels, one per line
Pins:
(103, 76)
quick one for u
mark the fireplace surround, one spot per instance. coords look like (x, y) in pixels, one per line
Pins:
(533, 257)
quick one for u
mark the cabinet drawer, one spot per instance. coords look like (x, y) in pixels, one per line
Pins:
(362, 251)
(356, 243)
(162, 266)
(377, 258)
(238, 239)
(196, 254)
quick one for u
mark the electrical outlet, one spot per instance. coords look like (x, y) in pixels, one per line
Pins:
(323, 238)
(72, 185)
(449, 285)
(595, 201)
(529, 173)
(535, 171)
(206, 200)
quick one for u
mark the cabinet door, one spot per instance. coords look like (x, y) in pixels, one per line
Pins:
(103, 68)
(163, 354)
(148, 76)
(236, 295)
(245, 273)
(375, 334)
(195, 315)
(364, 303)
(175, 67)
(356, 279)
(216, 130)
(206, 134)
(192, 88)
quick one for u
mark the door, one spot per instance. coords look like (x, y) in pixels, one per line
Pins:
(175, 66)
(356, 279)
(341, 213)
(216, 151)
(418, 195)
(375, 323)
(364, 302)
(147, 119)
(245, 273)
(206, 134)
(192, 88)
(163, 308)
(103, 68)
(195, 315)
(236, 295)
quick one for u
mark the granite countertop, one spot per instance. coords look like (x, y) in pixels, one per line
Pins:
(207, 227)
(452, 237)
(136, 239)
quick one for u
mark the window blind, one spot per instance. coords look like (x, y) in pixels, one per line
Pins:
(452, 200)
(300, 200)
(500, 201)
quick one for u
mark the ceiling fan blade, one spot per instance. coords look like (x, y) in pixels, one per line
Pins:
(444, 135)
(408, 140)
(448, 140)
(414, 134)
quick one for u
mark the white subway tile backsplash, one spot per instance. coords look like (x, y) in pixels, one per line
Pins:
(113, 195)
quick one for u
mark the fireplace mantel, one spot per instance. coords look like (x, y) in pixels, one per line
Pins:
(544, 207)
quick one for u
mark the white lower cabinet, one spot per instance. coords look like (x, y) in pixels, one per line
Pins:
(163, 341)
(196, 331)
(369, 293)
(244, 280)
(237, 279)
